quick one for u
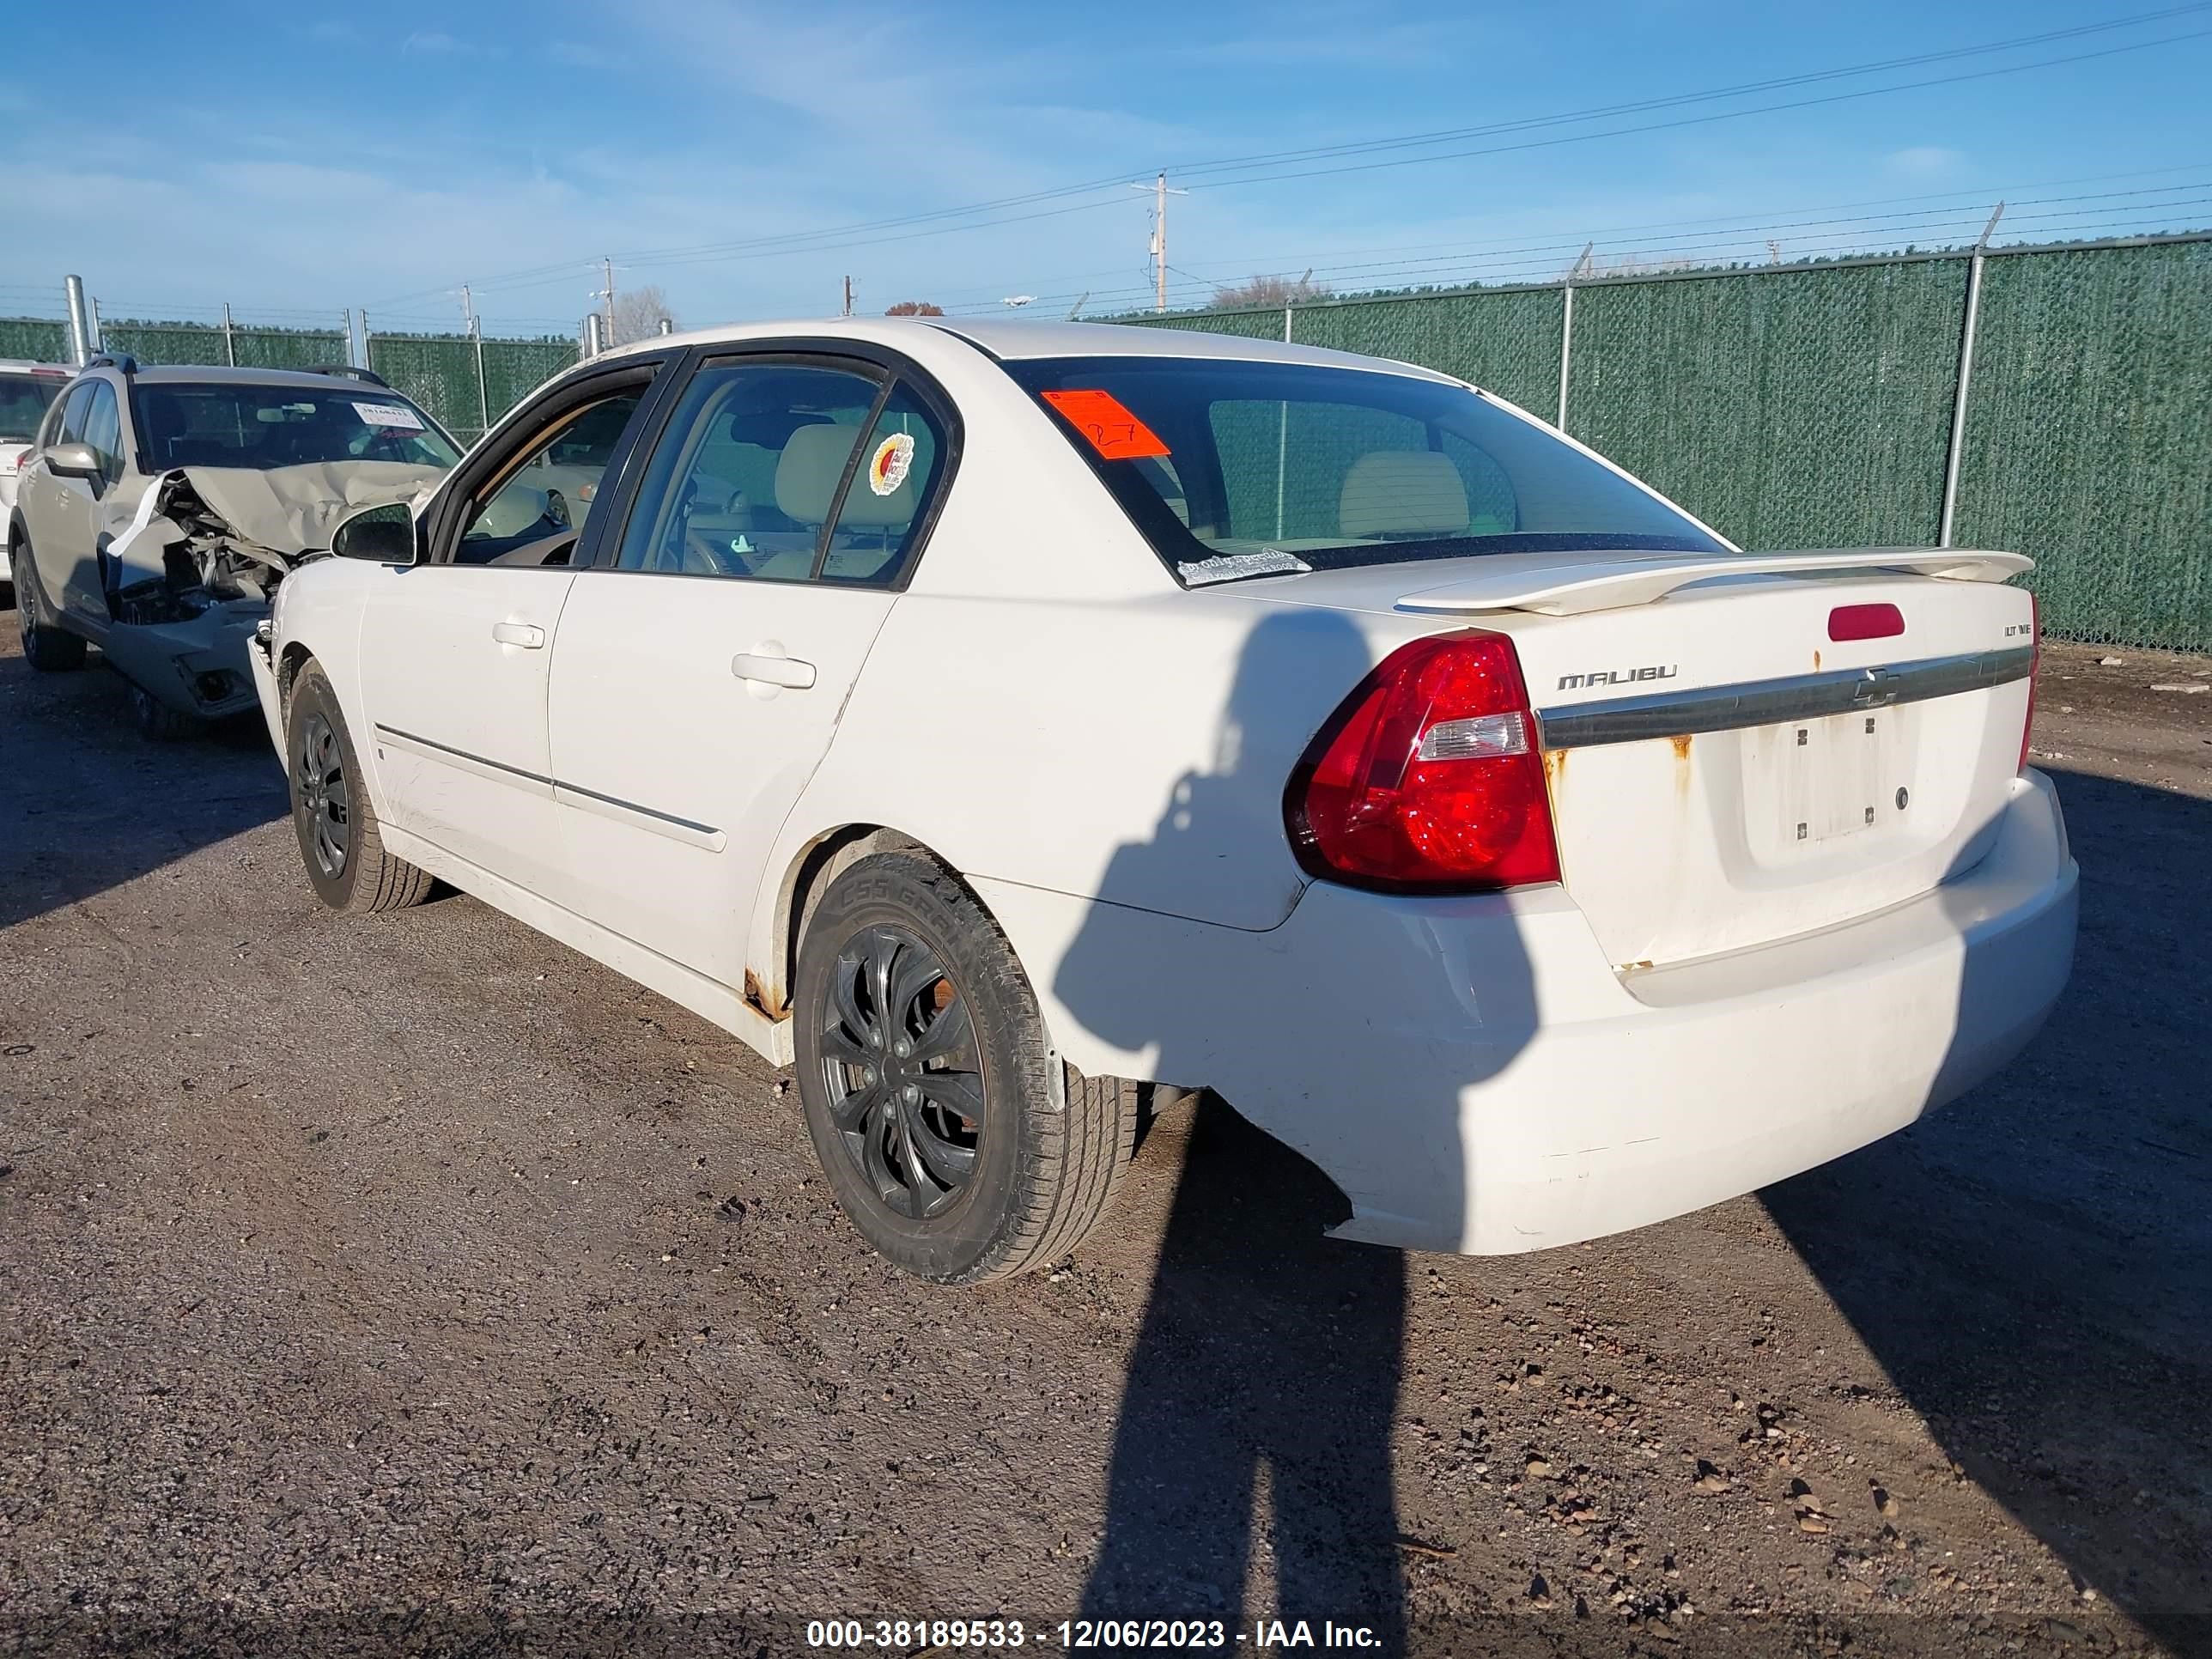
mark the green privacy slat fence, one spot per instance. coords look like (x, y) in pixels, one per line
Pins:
(203, 342)
(37, 338)
(1803, 408)
(1251, 324)
(439, 371)
(1811, 406)
(514, 368)
(1507, 342)
(2089, 438)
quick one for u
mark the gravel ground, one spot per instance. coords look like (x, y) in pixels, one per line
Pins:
(417, 1285)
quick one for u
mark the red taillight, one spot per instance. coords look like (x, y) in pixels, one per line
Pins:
(2034, 665)
(1428, 780)
(1865, 622)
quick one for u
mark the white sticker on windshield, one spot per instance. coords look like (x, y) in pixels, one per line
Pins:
(397, 416)
(1228, 566)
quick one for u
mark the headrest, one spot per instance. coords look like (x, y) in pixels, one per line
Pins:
(807, 474)
(1403, 492)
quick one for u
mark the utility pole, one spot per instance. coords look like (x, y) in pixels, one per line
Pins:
(607, 294)
(848, 296)
(1159, 248)
(467, 309)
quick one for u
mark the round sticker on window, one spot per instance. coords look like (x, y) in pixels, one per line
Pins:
(888, 467)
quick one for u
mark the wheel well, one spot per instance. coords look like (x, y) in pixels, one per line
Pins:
(810, 875)
(296, 657)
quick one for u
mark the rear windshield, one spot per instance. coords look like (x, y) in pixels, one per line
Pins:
(24, 399)
(1243, 469)
(183, 424)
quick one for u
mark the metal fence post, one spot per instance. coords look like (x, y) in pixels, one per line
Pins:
(1952, 461)
(229, 347)
(483, 394)
(366, 359)
(80, 327)
(98, 343)
(1566, 347)
(1286, 337)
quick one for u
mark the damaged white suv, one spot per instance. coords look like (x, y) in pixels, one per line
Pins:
(158, 508)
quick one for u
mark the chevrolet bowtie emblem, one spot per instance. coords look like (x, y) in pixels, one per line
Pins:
(1874, 688)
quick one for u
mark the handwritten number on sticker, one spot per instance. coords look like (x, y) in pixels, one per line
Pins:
(1105, 420)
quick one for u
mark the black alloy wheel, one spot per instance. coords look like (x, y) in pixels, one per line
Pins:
(322, 798)
(952, 1137)
(902, 1072)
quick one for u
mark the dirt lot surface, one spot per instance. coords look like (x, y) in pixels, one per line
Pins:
(417, 1285)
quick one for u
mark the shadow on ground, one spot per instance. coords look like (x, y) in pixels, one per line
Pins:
(91, 804)
(2032, 1264)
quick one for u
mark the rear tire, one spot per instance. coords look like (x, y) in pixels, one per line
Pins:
(927, 1080)
(46, 646)
(340, 844)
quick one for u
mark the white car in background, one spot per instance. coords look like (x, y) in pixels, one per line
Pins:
(27, 391)
(989, 720)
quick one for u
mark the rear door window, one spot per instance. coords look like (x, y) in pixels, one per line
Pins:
(787, 470)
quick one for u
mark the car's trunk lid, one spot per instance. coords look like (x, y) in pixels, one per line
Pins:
(1722, 772)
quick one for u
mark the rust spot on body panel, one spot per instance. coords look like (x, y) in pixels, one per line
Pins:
(757, 998)
(1682, 766)
(1816, 662)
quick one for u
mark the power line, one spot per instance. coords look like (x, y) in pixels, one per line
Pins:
(1675, 101)
(1762, 223)
(823, 241)
(1722, 115)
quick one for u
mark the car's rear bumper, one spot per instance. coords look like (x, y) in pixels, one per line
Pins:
(1475, 1077)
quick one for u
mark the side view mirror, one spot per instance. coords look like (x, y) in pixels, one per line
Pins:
(73, 461)
(384, 534)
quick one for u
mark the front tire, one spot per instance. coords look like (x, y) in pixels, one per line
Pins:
(46, 647)
(340, 843)
(926, 1081)
(157, 720)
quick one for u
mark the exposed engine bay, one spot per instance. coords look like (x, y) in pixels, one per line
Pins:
(203, 535)
(185, 582)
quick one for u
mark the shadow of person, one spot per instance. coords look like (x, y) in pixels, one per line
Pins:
(2032, 1265)
(1252, 1452)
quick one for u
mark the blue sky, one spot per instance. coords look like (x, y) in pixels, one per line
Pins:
(293, 160)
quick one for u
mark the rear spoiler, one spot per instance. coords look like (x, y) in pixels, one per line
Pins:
(1616, 582)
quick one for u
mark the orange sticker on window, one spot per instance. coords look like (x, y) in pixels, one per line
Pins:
(1106, 421)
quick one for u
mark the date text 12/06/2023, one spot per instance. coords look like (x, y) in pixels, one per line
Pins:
(1084, 1635)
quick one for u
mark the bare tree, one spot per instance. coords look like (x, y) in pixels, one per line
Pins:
(914, 309)
(1271, 291)
(638, 312)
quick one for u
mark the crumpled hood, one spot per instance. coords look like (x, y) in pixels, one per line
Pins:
(294, 509)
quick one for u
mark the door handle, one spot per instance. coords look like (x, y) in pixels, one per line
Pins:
(762, 668)
(525, 634)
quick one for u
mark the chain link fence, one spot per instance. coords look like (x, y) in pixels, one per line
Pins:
(1812, 405)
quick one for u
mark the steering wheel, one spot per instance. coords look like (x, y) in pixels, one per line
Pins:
(702, 557)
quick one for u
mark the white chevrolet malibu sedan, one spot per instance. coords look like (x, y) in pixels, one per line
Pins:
(992, 721)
